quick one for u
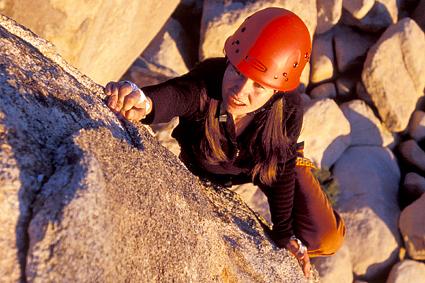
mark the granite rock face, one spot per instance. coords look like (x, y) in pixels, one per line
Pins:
(86, 197)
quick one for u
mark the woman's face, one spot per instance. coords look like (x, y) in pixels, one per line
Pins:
(242, 95)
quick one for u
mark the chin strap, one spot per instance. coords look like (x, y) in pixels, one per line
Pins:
(269, 104)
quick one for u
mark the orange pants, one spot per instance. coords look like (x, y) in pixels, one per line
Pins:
(315, 222)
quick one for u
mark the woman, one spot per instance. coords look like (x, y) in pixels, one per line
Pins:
(240, 116)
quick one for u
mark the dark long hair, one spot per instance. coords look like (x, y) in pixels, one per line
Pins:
(269, 144)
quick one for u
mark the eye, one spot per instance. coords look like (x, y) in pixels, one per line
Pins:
(237, 71)
(257, 85)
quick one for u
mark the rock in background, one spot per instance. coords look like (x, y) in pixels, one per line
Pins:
(89, 33)
(364, 118)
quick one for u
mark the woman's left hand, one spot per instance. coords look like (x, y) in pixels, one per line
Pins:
(301, 253)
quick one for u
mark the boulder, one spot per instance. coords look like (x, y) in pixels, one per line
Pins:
(326, 132)
(407, 271)
(369, 179)
(306, 98)
(366, 128)
(189, 14)
(396, 90)
(336, 268)
(142, 76)
(358, 8)
(146, 225)
(346, 87)
(418, 14)
(34, 97)
(93, 198)
(381, 15)
(322, 58)
(412, 228)
(328, 14)
(255, 199)
(14, 213)
(363, 94)
(413, 187)
(167, 51)
(101, 38)
(351, 47)
(412, 154)
(417, 125)
(162, 133)
(322, 91)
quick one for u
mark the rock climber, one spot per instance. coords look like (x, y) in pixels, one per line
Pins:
(239, 120)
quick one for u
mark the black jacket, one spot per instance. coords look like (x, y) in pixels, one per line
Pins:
(181, 97)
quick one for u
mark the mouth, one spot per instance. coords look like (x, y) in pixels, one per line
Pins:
(235, 103)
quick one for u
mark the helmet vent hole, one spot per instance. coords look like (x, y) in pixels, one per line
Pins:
(276, 77)
(237, 42)
(285, 74)
(243, 29)
(237, 51)
(295, 64)
(306, 55)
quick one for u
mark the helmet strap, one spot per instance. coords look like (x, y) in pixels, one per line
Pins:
(221, 113)
(269, 104)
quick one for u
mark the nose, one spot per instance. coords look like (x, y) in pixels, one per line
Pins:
(244, 87)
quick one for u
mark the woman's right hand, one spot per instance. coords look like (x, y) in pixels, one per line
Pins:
(300, 252)
(126, 100)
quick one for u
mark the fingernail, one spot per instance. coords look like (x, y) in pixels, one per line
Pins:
(111, 104)
(130, 114)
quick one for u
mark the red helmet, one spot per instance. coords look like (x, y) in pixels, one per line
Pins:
(271, 47)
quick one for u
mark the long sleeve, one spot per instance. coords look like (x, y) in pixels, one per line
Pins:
(281, 202)
(281, 195)
(180, 97)
(173, 98)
